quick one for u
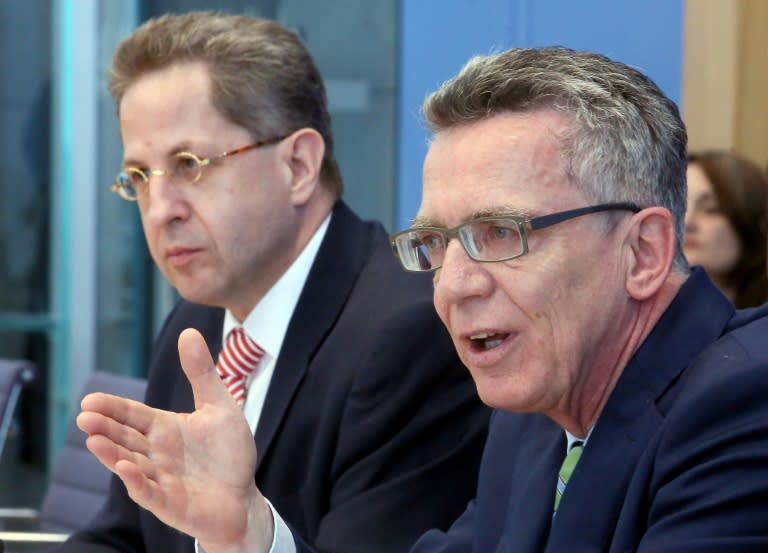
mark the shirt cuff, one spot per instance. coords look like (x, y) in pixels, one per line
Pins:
(282, 540)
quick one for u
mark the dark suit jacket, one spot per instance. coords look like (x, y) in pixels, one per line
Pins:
(371, 432)
(677, 462)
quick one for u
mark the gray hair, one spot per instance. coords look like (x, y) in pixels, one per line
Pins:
(627, 141)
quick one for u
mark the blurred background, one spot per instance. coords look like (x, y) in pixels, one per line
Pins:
(78, 291)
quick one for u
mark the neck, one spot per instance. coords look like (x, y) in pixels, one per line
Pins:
(308, 219)
(583, 408)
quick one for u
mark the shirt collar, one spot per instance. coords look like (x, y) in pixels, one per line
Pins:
(573, 439)
(268, 321)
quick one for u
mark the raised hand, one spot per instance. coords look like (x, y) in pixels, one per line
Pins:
(194, 471)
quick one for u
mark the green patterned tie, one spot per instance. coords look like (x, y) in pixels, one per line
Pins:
(566, 469)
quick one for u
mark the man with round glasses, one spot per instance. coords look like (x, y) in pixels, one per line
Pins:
(185, 167)
(368, 428)
(629, 395)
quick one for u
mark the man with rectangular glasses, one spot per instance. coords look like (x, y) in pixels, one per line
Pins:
(629, 395)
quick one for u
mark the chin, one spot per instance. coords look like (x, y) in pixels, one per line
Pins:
(514, 395)
(195, 295)
(692, 258)
(493, 395)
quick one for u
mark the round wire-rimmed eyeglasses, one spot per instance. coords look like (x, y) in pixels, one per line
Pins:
(132, 182)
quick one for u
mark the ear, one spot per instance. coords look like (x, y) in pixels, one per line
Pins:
(651, 248)
(304, 151)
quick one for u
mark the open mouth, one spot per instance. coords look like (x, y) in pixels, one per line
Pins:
(486, 340)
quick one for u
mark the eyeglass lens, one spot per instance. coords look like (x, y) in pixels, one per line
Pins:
(489, 240)
(186, 168)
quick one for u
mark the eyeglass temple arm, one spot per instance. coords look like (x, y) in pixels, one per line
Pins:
(259, 144)
(549, 220)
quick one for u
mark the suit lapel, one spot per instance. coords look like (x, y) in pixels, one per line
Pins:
(592, 502)
(209, 322)
(341, 256)
(586, 523)
(540, 452)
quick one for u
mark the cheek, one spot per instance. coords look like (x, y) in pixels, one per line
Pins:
(731, 247)
(723, 243)
(713, 230)
(575, 306)
(150, 235)
(726, 238)
(441, 306)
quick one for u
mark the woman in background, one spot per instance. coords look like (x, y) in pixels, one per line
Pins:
(726, 224)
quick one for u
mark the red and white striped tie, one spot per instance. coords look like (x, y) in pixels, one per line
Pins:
(238, 358)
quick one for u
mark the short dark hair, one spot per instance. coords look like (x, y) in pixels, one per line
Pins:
(262, 76)
(741, 188)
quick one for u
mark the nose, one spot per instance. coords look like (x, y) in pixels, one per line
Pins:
(690, 219)
(460, 277)
(163, 201)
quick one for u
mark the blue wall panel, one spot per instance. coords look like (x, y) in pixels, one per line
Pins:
(439, 36)
(647, 35)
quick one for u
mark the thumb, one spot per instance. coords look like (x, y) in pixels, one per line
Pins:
(200, 370)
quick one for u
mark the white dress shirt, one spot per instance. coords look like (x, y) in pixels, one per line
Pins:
(267, 324)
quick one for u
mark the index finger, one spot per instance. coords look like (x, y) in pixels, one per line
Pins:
(123, 410)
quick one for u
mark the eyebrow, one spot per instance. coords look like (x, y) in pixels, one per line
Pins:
(129, 162)
(706, 201)
(184, 146)
(708, 195)
(502, 211)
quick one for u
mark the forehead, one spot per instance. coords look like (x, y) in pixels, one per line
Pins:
(697, 180)
(508, 162)
(169, 107)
